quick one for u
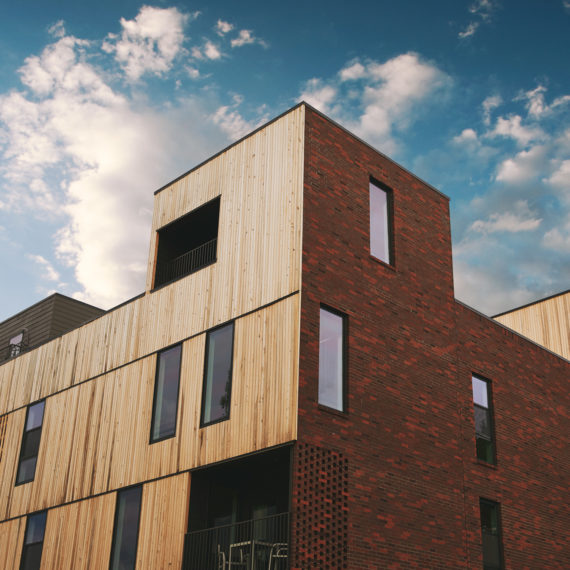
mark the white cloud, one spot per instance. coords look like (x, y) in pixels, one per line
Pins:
(560, 179)
(193, 73)
(467, 136)
(232, 123)
(521, 219)
(57, 30)
(318, 94)
(150, 42)
(558, 239)
(490, 103)
(223, 28)
(566, 4)
(90, 158)
(212, 51)
(469, 30)
(512, 127)
(386, 99)
(49, 272)
(524, 167)
(246, 37)
(352, 72)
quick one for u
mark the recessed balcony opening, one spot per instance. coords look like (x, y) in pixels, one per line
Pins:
(188, 244)
(239, 514)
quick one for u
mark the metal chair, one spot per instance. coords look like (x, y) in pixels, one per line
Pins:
(278, 551)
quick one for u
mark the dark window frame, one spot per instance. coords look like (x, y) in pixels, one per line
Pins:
(489, 411)
(26, 547)
(25, 433)
(344, 317)
(162, 260)
(389, 221)
(497, 506)
(153, 418)
(116, 521)
(204, 424)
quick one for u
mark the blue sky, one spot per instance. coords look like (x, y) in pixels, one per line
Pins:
(102, 103)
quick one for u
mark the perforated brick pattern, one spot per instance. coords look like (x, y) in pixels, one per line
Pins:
(320, 494)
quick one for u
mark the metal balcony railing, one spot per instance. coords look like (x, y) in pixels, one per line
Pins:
(186, 263)
(258, 544)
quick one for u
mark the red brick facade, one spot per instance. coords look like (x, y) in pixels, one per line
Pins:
(410, 496)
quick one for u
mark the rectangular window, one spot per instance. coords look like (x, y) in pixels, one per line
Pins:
(33, 541)
(166, 387)
(126, 529)
(380, 246)
(30, 443)
(332, 359)
(217, 387)
(15, 345)
(483, 420)
(491, 535)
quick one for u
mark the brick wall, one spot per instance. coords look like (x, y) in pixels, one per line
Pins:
(407, 439)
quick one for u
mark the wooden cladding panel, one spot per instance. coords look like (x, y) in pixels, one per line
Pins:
(11, 541)
(163, 523)
(260, 181)
(546, 323)
(95, 437)
(78, 536)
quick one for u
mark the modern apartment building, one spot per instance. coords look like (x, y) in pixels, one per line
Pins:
(297, 387)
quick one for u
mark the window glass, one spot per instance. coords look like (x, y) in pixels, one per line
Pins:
(480, 392)
(331, 355)
(30, 443)
(35, 416)
(166, 393)
(491, 535)
(125, 534)
(33, 542)
(483, 420)
(379, 225)
(218, 375)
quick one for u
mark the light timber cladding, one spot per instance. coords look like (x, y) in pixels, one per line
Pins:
(260, 183)
(11, 540)
(95, 436)
(78, 536)
(546, 322)
(163, 523)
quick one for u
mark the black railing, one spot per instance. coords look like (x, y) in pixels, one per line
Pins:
(13, 350)
(259, 544)
(186, 263)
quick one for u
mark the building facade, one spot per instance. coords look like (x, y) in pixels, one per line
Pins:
(297, 387)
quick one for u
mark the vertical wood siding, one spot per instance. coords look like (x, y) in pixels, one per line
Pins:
(546, 323)
(95, 436)
(259, 255)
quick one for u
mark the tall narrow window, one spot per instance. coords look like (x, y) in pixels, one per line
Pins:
(217, 388)
(126, 531)
(380, 223)
(483, 420)
(491, 535)
(30, 443)
(166, 386)
(331, 359)
(15, 345)
(33, 541)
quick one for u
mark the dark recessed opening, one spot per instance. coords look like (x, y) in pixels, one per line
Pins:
(187, 244)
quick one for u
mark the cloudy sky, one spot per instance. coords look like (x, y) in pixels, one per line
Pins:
(102, 103)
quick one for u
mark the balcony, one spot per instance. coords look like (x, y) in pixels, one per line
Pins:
(257, 544)
(187, 263)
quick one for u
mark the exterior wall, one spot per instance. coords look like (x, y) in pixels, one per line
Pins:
(98, 380)
(45, 320)
(532, 426)
(410, 498)
(546, 322)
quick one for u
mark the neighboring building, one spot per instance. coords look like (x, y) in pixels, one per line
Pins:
(297, 387)
(41, 322)
(546, 322)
